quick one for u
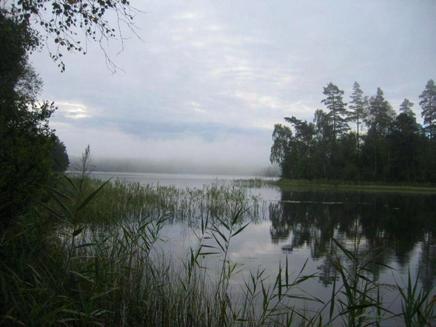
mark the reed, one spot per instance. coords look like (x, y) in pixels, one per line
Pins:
(88, 256)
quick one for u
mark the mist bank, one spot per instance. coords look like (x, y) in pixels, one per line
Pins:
(175, 167)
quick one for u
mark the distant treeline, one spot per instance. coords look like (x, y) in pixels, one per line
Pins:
(362, 140)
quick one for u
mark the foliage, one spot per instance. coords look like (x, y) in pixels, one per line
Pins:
(30, 152)
(406, 107)
(29, 148)
(59, 155)
(417, 308)
(380, 114)
(91, 258)
(394, 148)
(358, 108)
(336, 106)
(288, 146)
(69, 24)
(428, 105)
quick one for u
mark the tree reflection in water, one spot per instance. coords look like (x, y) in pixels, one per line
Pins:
(386, 226)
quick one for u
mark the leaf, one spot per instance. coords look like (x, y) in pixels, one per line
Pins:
(53, 211)
(91, 196)
(99, 295)
(223, 223)
(240, 229)
(60, 194)
(70, 181)
(65, 208)
(78, 231)
(348, 253)
(221, 234)
(237, 215)
(219, 243)
(82, 276)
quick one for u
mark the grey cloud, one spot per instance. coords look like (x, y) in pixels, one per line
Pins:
(209, 71)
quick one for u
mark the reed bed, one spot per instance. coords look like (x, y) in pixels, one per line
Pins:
(87, 257)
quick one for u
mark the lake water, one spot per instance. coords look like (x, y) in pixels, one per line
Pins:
(396, 230)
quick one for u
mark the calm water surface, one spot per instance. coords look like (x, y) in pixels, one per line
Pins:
(397, 230)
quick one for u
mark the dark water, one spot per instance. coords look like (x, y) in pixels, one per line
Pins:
(395, 230)
(400, 228)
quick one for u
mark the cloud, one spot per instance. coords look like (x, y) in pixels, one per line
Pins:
(187, 16)
(207, 72)
(196, 107)
(71, 110)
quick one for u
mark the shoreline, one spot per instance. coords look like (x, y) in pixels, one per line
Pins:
(354, 186)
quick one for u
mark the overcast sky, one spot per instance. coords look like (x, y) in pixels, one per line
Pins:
(208, 80)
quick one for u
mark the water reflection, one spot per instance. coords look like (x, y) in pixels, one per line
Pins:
(387, 226)
(393, 229)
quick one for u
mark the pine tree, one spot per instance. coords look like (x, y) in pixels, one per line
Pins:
(380, 113)
(357, 112)
(428, 105)
(337, 112)
(406, 108)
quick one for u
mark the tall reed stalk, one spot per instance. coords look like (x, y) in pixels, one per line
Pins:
(89, 256)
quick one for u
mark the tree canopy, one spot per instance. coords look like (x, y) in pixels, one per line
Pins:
(30, 152)
(67, 25)
(428, 105)
(393, 148)
(29, 149)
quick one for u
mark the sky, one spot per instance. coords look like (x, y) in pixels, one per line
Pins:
(206, 81)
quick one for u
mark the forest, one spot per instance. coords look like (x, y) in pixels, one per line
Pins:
(364, 140)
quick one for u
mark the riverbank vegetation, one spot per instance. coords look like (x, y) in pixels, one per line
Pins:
(365, 140)
(338, 185)
(83, 257)
(354, 186)
(90, 255)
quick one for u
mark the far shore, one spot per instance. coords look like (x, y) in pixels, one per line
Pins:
(354, 186)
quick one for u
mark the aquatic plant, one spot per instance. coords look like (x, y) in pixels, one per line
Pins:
(88, 256)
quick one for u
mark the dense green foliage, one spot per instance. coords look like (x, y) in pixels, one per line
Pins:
(393, 148)
(29, 150)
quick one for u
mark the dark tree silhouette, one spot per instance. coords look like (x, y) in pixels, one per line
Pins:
(337, 109)
(394, 148)
(357, 109)
(428, 105)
